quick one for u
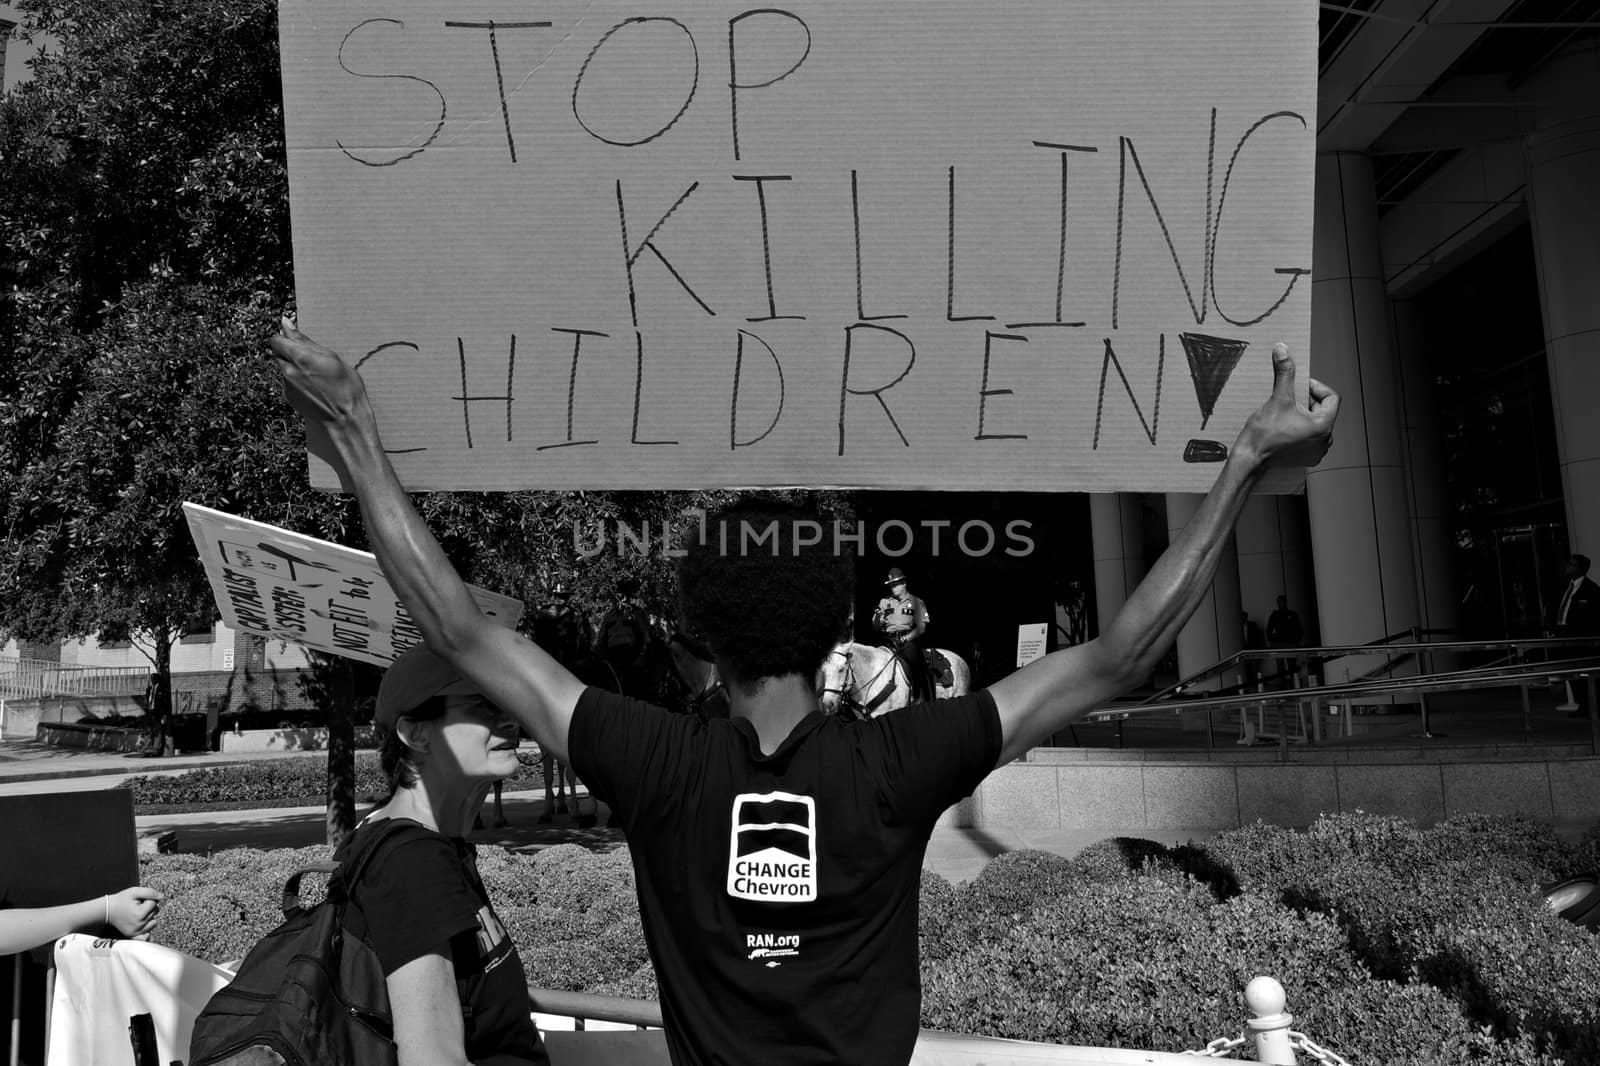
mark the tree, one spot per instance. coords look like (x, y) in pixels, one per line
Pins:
(143, 203)
(175, 402)
(145, 218)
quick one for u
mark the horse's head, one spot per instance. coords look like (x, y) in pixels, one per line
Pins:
(834, 679)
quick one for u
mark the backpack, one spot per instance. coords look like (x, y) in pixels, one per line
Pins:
(306, 994)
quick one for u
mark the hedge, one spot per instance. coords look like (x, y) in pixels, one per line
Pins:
(276, 780)
(1456, 906)
(1129, 943)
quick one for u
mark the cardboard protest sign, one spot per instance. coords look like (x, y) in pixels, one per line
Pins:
(1011, 245)
(274, 583)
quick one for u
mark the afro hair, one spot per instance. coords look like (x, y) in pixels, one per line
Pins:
(764, 585)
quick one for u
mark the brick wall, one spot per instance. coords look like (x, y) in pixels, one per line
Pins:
(223, 691)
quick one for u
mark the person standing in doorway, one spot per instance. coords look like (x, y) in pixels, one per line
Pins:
(1285, 630)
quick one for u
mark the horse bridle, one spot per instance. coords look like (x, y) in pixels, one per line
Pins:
(849, 673)
(863, 710)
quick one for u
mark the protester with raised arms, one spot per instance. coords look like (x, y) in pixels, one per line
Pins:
(778, 852)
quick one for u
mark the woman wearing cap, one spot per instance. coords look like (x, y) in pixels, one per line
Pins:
(457, 990)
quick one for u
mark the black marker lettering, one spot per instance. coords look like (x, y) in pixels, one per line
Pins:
(984, 391)
(499, 78)
(467, 399)
(382, 348)
(638, 390)
(766, 241)
(1151, 427)
(1127, 152)
(402, 77)
(630, 256)
(1295, 273)
(289, 610)
(846, 391)
(347, 639)
(734, 443)
(734, 84)
(404, 635)
(246, 600)
(572, 383)
(950, 264)
(1061, 252)
(855, 215)
(618, 138)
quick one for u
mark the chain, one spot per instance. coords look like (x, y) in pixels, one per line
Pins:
(1223, 1047)
(1220, 1048)
(1302, 1042)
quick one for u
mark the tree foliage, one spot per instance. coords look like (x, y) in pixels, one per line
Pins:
(145, 223)
(143, 208)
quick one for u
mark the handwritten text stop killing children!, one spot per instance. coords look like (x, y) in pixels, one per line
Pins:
(871, 335)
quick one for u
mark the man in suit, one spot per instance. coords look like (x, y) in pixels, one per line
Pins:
(1577, 615)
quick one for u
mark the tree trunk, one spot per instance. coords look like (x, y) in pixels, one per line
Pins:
(341, 754)
(160, 708)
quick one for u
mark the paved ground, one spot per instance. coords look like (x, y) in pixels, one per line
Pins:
(1456, 720)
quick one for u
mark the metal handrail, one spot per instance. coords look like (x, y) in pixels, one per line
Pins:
(22, 679)
(1324, 652)
(585, 1006)
(1443, 681)
(1521, 675)
(1244, 655)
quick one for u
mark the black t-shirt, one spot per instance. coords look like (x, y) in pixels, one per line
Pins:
(421, 895)
(779, 892)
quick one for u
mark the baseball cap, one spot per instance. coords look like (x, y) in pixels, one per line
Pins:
(412, 680)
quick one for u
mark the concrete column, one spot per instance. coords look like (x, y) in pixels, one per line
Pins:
(1214, 631)
(1117, 523)
(1274, 547)
(1437, 600)
(1360, 525)
(1563, 158)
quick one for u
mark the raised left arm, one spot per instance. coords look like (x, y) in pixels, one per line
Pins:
(1062, 687)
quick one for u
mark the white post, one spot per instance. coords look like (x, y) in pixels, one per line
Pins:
(16, 1009)
(1270, 1026)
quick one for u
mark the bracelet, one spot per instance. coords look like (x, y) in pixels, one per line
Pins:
(108, 908)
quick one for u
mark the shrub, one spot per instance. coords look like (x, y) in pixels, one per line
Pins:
(1015, 880)
(218, 907)
(574, 914)
(275, 780)
(1119, 946)
(1457, 905)
(1519, 848)
(1120, 857)
(1154, 961)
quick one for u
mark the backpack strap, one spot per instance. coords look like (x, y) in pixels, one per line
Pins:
(335, 870)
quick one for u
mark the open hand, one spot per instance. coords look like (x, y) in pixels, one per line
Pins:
(1283, 432)
(134, 911)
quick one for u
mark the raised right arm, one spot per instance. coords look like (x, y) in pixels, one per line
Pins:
(507, 667)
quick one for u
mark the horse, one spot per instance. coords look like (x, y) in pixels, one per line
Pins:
(693, 685)
(867, 680)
